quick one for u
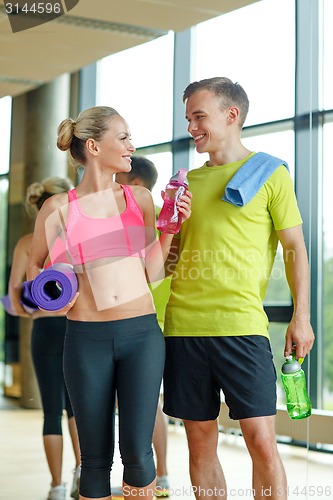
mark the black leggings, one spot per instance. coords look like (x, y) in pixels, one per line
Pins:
(102, 361)
(47, 348)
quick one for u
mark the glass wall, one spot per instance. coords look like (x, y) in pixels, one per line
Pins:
(327, 55)
(5, 122)
(255, 46)
(138, 83)
(163, 162)
(328, 268)
(327, 99)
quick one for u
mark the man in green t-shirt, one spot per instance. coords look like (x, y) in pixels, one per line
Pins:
(215, 326)
(144, 173)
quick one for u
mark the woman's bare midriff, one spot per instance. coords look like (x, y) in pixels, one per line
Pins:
(112, 289)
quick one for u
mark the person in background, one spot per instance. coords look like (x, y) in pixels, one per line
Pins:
(216, 329)
(114, 347)
(47, 346)
(144, 173)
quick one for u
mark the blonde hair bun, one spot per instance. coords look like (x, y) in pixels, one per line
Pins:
(65, 134)
(38, 192)
(34, 193)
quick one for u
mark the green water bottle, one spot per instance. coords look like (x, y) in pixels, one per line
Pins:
(294, 383)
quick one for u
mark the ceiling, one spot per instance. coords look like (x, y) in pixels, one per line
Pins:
(89, 31)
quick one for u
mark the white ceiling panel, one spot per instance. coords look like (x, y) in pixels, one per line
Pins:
(91, 30)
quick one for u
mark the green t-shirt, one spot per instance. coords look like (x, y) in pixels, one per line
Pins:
(160, 290)
(227, 254)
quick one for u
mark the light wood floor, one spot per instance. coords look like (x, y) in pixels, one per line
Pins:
(24, 473)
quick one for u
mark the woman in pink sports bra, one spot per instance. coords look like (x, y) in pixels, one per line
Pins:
(114, 347)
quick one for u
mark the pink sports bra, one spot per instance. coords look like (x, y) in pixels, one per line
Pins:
(89, 238)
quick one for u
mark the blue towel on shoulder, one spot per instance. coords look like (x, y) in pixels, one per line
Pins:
(251, 176)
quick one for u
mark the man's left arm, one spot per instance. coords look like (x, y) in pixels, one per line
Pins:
(295, 257)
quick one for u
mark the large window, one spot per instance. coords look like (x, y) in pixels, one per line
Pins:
(326, 81)
(162, 159)
(255, 46)
(280, 144)
(328, 268)
(327, 208)
(5, 114)
(328, 54)
(138, 83)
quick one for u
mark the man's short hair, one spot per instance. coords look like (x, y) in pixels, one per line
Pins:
(230, 93)
(145, 170)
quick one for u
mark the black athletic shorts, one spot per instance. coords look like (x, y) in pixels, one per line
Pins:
(197, 368)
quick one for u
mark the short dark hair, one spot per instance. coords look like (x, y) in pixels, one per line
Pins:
(231, 93)
(145, 170)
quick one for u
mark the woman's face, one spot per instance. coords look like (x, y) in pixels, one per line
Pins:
(115, 147)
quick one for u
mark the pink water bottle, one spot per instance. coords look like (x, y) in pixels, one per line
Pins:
(169, 219)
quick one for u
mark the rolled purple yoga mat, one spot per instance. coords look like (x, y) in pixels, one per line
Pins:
(7, 305)
(54, 287)
(26, 300)
(51, 290)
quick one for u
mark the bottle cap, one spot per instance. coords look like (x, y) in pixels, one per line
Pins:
(180, 177)
(290, 365)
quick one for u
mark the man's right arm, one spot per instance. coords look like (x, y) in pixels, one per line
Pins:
(299, 330)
